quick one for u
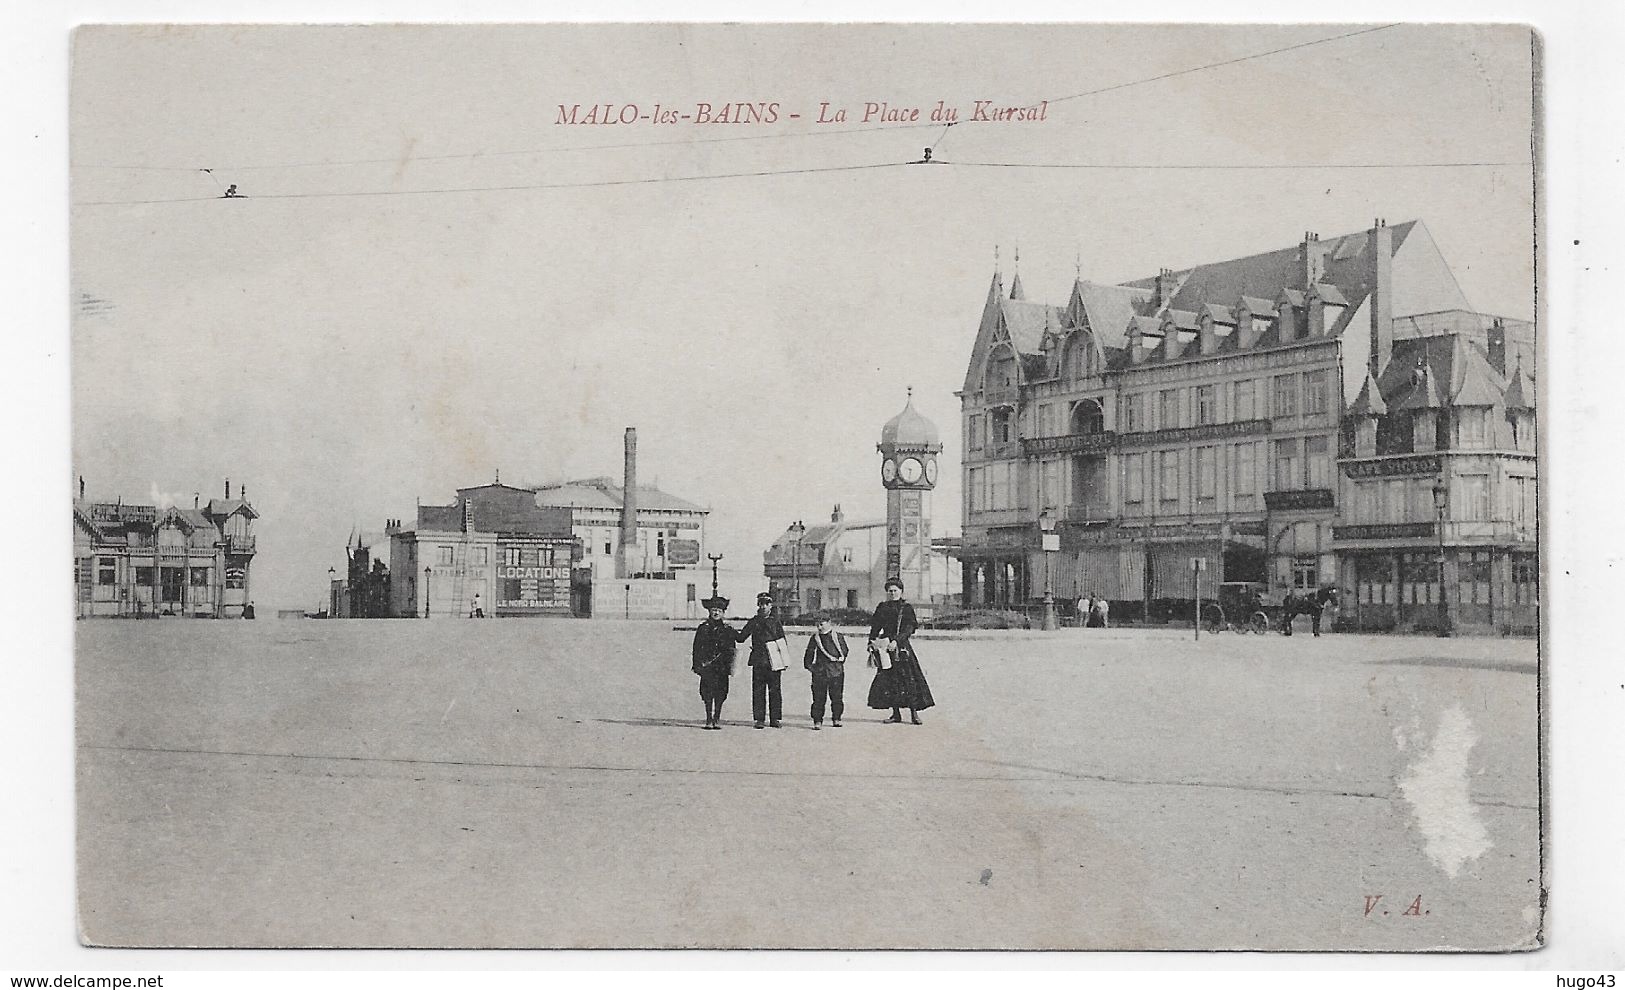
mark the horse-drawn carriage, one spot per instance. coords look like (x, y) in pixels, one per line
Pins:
(1247, 606)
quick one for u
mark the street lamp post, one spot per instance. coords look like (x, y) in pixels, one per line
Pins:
(332, 593)
(795, 568)
(713, 558)
(1440, 494)
(427, 572)
(1051, 543)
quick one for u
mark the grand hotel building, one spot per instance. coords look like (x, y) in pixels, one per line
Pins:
(1284, 417)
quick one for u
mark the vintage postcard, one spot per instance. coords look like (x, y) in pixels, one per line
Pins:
(908, 486)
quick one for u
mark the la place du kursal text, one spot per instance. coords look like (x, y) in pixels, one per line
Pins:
(766, 113)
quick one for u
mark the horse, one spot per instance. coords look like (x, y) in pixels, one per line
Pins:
(1295, 605)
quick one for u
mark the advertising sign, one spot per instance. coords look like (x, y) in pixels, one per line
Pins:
(532, 575)
(682, 553)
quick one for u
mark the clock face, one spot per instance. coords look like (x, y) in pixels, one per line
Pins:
(888, 471)
(931, 471)
(911, 470)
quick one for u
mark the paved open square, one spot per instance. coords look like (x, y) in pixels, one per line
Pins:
(547, 783)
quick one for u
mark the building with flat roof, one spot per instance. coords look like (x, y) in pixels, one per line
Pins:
(1284, 418)
(134, 560)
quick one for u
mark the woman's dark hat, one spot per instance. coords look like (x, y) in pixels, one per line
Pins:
(718, 602)
(895, 583)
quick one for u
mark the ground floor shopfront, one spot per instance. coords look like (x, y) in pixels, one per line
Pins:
(1486, 589)
(1388, 578)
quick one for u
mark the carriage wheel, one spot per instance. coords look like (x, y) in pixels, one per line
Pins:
(1213, 618)
(1260, 623)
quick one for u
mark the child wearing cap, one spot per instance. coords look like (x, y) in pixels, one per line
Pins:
(826, 660)
(767, 646)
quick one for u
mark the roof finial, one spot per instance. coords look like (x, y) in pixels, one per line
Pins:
(499, 476)
(911, 392)
(1077, 263)
(995, 259)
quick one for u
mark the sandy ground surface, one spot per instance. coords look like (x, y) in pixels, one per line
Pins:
(546, 783)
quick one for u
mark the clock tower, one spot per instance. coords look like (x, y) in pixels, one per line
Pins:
(909, 445)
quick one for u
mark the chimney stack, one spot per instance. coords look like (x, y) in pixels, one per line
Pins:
(81, 488)
(1497, 346)
(196, 498)
(1165, 288)
(1381, 252)
(629, 507)
(836, 516)
(228, 489)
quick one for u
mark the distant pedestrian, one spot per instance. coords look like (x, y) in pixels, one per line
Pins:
(1102, 614)
(1086, 608)
(826, 660)
(477, 609)
(899, 682)
(714, 648)
(248, 610)
(769, 655)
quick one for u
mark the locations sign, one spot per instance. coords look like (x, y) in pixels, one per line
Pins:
(533, 575)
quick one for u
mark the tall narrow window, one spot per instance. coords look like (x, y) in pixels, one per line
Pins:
(1207, 472)
(1246, 470)
(973, 432)
(1318, 454)
(1286, 396)
(1168, 409)
(1134, 478)
(1287, 472)
(1246, 405)
(1315, 400)
(1168, 483)
(1207, 404)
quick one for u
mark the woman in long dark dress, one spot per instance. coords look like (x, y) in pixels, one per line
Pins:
(902, 685)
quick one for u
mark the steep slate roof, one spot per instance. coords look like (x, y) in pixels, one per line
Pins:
(1520, 392)
(1264, 275)
(1477, 383)
(1107, 309)
(1026, 323)
(1369, 401)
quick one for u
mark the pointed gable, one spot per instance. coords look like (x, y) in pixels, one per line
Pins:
(1477, 382)
(1016, 291)
(1369, 401)
(1520, 393)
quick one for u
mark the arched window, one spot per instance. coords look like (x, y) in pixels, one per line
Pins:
(1078, 358)
(1087, 417)
(1001, 369)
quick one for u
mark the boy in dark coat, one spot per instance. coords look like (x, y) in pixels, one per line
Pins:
(826, 659)
(714, 659)
(762, 629)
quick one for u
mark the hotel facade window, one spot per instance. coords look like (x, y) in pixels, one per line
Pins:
(1286, 396)
(1168, 482)
(1287, 473)
(1168, 409)
(1133, 407)
(1318, 454)
(1207, 405)
(1315, 401)
(1246, 406)
(1207, 473)
(1245, 490)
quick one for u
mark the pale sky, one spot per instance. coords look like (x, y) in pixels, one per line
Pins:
(344, 355)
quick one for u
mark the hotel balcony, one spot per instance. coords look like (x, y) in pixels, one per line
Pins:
(239, 544)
